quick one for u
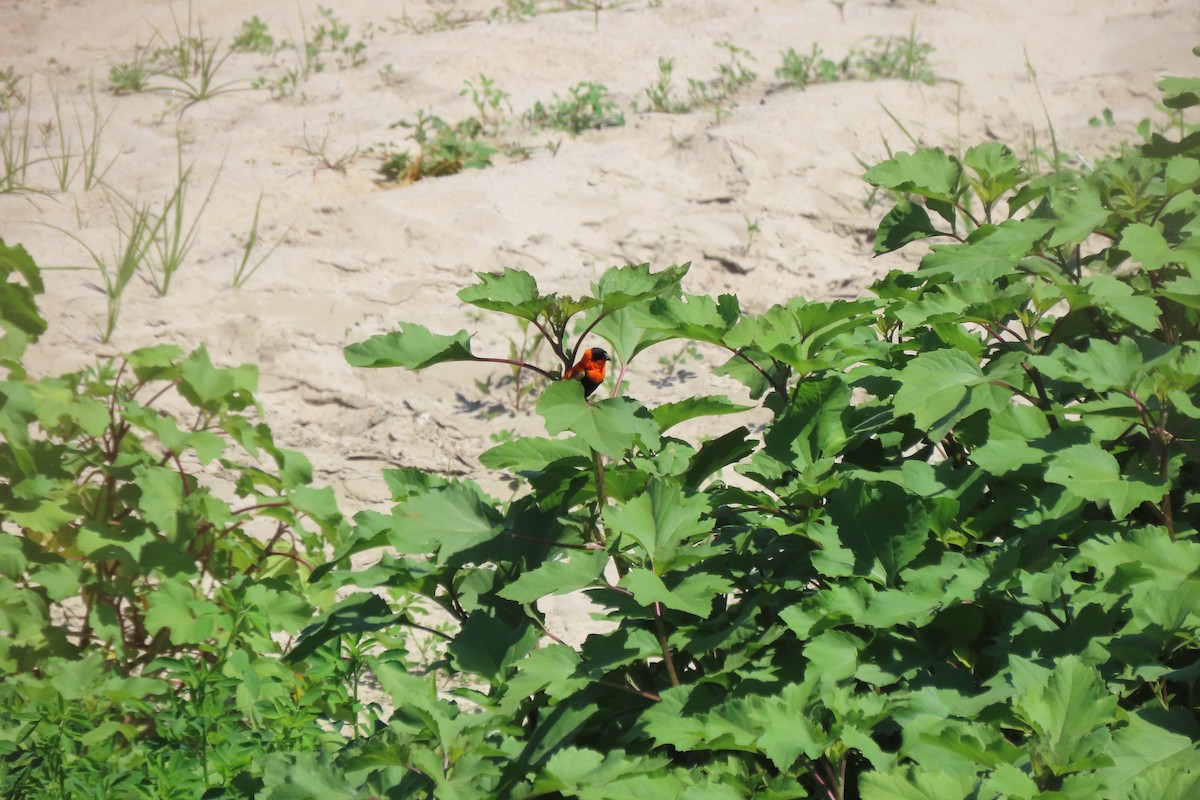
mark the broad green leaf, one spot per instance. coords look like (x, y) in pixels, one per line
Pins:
(928, 172)
(14, 258)
(175, 607)
(412, 347)
(668, 415)
(936, 388)
(575, 570)
(716, 454)
(832, 656)
(697, 317)
(1118, 298)
(512, 291)
(359, 613)
(202, 382)
(1078, 213)
(914, 783)
(1146, 246)
(1090, 472)
(532, 453)
(881, 525)
(694, 594)
(1143, 751)
(990, 252)
(1070, 711)
(1180, 93)
(904, 224)
(623, 286)
(662, 520)
(996, 169)
(610, 427)
(488, 646)
(446, 521)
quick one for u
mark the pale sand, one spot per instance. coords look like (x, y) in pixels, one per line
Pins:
(357, 257)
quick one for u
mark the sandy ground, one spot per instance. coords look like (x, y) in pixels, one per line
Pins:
(353, 256)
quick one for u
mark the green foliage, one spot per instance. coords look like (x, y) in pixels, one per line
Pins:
(254, 37)
(151, 570)
(960, 559)
(902, 57)
(443, 149)
(586, 106)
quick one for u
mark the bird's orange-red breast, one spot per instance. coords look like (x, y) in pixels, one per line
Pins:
(589, 370)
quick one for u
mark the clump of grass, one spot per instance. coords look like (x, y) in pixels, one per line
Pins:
(175, 235)
(68, 162)
(586, 106)
(16, 140)
(324, 157)
(246, 268)
(491, 102)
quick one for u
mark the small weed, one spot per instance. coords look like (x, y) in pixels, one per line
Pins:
(130, 77)
(15, 144)
(174, 234)
(10, 89)
(802, 70)
(752, 234)
(192, 61)
(514, 10)
(586, 106)
(326, 159)
(447, 20)
(443, 149)
(66, 162)
(254, 37)
(388, 75)
(489, 101)
(660, 93)
(732, 76)
(245, 267)
(892, 57)
(903, 57)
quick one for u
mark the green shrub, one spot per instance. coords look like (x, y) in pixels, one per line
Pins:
(959, 560)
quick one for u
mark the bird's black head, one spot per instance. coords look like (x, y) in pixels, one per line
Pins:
(599, 354)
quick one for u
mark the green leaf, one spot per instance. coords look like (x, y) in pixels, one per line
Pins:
(1070, 711)
(1092, 473)
(880, 525)
(990, 252)
(445, 521)
(905, 223)
(1180, 93)
(531, 453)
(512, 291)
(694, 594)
(14, 258)
(928, 172)
(610, 427)
(937, 387)
(579, 569)
(1146, 246)
(1118, 298)
(412, 347)
(487, 646)
(915, 783)
(668, 415)
(996, 169)
(359, 613)
(662, 520)
(696, 317)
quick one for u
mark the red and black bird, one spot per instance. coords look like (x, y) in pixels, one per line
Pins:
(589, 370)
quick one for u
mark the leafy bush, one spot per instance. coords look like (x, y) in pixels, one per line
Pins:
(960, 559)
(443, 149)
(143, 611)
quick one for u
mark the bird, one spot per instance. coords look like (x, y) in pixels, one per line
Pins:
(589, 370)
